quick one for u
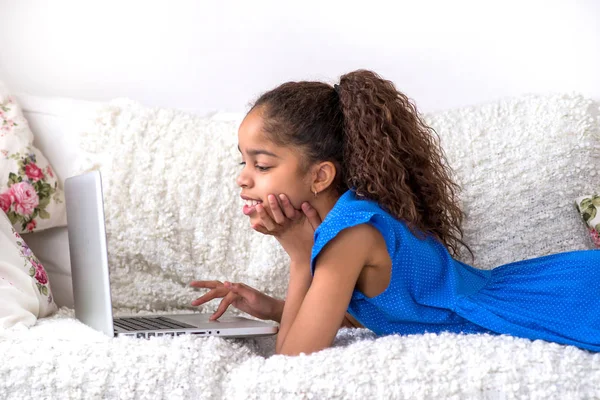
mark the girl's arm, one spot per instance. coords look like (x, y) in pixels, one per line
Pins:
(315, 309)
(348, 322)
(300, 279)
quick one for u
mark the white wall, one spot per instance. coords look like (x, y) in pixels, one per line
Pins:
(207, 55)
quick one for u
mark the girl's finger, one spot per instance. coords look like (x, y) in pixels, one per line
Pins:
(223, 306)
(288, 208)
(209, 296)
(243, 291)
(261, 229)
(205, 284)
(275, 209)
(265, 219)
(312, 215)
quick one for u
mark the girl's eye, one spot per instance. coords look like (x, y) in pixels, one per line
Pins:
(258, 167)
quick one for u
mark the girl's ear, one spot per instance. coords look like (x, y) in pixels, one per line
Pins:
(323, 176)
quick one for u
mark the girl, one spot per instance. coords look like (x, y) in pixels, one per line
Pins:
(358, 157)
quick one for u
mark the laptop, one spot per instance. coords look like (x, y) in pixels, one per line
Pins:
(91, 285)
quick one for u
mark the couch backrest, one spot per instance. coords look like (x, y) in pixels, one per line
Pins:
(173, 208)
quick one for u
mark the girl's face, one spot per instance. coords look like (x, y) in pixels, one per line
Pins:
(268, 169)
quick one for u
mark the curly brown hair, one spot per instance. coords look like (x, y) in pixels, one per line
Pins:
(381, 147)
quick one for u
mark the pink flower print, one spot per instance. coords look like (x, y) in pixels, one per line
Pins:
(4, 153)
(7, 125)
(6, 200)
(25, 198)
(25, 249)
(31, 225)
(40, 274)
(49, 172)
(33, 172)
(595, 237)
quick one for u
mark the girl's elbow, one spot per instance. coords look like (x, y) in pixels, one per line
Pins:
(285, 352)
(289, 349)
(293, 352)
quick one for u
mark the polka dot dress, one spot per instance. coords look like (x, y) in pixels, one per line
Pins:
(554, 298)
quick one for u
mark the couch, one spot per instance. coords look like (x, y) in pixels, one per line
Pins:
(173, 215)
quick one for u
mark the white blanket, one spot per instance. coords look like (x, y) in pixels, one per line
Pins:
(173, 215)
(61, 358)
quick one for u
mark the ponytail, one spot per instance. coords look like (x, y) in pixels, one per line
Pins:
(392, 157)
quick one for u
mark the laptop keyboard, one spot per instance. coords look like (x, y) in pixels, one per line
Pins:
(148, 323)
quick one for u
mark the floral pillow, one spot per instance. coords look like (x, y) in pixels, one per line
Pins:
(25, 293)
(589, 208)
(29, 191)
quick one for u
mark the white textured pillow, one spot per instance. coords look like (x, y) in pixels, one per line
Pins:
(25, 293)
(521, 162)
(30, 194)
(173, 211)
(173, 207)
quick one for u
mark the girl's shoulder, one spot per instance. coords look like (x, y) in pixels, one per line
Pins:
(351, 211)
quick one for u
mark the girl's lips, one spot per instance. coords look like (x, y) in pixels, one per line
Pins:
(249, 209)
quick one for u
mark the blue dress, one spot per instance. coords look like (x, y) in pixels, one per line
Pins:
(554, 298)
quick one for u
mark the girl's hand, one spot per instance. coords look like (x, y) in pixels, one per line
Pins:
(242, 297)
(284, 215)
(294, 229)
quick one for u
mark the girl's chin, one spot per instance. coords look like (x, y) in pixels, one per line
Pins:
(254, 221)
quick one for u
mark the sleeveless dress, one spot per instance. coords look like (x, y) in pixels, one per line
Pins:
(554, 298)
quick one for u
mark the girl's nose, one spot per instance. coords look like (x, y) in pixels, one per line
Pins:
(243, 180)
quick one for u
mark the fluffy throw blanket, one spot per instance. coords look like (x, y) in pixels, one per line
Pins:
(61, 358)
(173, 215)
